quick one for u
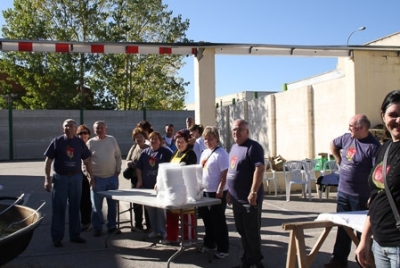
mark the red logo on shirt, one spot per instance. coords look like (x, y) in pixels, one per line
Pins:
(350, 153)
(233, 161)
(152, 161)
(70, 151)
(377, 177)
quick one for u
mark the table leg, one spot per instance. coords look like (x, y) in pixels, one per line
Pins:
(181, 231)
(301, 248)
(291, 256)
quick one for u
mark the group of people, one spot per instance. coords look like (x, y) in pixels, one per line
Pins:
(83, 166)
(369, 175)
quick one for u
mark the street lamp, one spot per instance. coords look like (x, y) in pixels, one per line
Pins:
(359, 29)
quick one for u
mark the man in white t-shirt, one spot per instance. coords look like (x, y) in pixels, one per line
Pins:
(106, 164)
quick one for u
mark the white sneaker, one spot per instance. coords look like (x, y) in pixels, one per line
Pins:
(220, 255)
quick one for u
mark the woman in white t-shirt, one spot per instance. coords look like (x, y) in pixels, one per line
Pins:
(215, 161)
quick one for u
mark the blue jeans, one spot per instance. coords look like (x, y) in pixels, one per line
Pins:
(104, 184)
(157, 220)
(346, 202)
(386, 257)
(248, 224)
(65, 190)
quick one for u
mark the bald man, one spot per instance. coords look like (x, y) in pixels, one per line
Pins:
(355, 153)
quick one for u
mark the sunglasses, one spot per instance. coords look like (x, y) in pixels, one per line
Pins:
(83, 133)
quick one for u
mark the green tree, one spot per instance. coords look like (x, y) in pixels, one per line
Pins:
(142, 80)
(58, 81)
(51, 80)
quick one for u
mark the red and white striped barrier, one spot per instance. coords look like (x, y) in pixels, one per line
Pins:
(24, 46)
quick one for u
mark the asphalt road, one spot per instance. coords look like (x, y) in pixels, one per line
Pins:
(133, 249)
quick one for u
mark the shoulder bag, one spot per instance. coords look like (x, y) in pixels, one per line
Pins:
(388, 193)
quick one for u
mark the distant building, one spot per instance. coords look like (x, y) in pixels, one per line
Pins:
(235, 97)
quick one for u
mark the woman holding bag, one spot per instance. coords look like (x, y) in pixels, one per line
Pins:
(381, 220)
(139, 136)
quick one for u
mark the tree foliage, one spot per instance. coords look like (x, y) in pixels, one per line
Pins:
(107, 81)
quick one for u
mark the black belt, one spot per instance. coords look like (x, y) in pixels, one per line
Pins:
(69, 173)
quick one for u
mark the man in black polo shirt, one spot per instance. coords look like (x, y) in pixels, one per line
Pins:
(66, 152)
(245, 192)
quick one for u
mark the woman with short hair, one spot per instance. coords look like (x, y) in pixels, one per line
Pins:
(147, 170)
(215, 162)
(139, 136)
(183, 155)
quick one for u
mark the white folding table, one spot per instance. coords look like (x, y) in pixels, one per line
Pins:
(147, 197)
(350, 221)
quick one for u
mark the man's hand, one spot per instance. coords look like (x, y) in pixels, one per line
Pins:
(228, 199)
(252, 198)
(47, 183)
(92, 182)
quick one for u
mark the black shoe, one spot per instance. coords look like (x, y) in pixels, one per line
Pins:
(335, 263)
(57, 244)
(78, 240)
(113, 230)
(97, 233)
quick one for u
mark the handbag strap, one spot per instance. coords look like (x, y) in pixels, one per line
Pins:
(388, 194)
(209, 156)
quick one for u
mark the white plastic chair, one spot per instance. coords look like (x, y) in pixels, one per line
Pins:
(294, 175)
(311, 163)
(329, 167)
(268, 178)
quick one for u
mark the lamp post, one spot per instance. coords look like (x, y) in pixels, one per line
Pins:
(359, 29)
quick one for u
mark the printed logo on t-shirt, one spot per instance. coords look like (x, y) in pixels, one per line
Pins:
(377, 177)
(203, 163)
(350, 153)
(70, 152)
(233, 161)
(152, 161)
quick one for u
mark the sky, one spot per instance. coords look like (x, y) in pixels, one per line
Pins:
(275, 22)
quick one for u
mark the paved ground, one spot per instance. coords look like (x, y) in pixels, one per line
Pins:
(132, 249)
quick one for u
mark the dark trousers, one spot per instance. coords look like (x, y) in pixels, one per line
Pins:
(346, 202)
(215, 224)
(248, 224)
(138, 210)
(86, 203)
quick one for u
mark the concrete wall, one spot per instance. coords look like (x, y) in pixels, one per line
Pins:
(33, 130)
(301, 122)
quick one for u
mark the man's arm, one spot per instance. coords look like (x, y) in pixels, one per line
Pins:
(47, 170)
(336, 153)
(88, 165)
(257, 181)
(118, 158)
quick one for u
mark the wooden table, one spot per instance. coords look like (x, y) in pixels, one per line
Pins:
(147, 197)
(350, 221)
